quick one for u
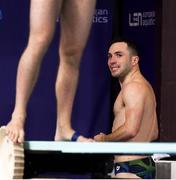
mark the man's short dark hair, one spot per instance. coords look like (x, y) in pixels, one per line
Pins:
(131, 44)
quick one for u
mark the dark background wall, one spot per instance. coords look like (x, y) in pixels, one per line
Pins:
(168, 71)
(92, 108)
(140, 21)
(157, 46)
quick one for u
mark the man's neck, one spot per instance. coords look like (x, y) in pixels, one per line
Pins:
(130, 77)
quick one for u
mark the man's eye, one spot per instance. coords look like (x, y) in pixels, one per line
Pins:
(118, 55)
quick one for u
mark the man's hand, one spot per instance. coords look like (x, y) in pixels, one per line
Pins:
(100, 137)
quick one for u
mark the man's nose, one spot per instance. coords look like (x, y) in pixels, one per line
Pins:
(112, 60)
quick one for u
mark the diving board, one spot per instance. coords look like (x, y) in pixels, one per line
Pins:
(101, 147)
(31, 158)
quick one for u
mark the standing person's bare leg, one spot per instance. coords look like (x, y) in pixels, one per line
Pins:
(43, 14)
(76, 20)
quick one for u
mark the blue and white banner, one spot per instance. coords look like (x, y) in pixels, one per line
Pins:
(139, 24)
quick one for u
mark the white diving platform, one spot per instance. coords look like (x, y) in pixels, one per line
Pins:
(95, 157)
(37, 158)
(102, 147)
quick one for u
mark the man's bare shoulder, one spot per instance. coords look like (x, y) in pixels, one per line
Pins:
(135, 86)
(134, 94)
(136, 90)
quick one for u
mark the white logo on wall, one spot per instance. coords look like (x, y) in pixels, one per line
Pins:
(142, 19)
(1, 16)
(101, 16)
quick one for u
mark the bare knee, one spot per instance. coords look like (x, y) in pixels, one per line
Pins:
(40, 41)
(71, 55)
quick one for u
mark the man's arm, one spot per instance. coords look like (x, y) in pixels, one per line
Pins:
(133, 96)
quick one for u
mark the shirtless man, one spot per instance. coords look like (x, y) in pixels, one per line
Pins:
(134, 111)
(75, 20)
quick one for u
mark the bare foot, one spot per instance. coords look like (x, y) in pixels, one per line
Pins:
(57, 136)
(15, 132)
(15, 128)
(66, 135)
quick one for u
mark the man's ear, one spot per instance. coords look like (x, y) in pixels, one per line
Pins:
(135, 60)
